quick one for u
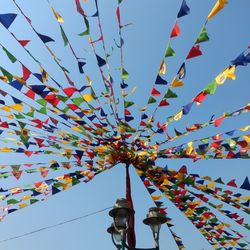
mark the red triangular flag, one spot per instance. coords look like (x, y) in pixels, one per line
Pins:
(44, 173)
(240, 221)
(72, 106)
(195, 51)
(69, 91)
(147, 183)
(216, 144)
(163, 103)
(52, 99)
(175, 31)
(23, 42)
(38, 184)
(31, 94)
(39, 142)
(28, 152)
(230, 154)
(26, 73)
(217, 137)
(155, 92)
(183, 169)
(127, 112)
(232, 183)
(118, 16)
(200, 97)
(4, 125)
(142, 123)
(17, 174)
(218, 121)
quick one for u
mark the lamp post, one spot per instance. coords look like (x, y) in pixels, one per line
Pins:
(121, 213)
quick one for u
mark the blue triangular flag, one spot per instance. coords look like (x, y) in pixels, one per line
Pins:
(101, 62)
(45, 38)
(55, 190)
(160, 80)
(80, 67)
(243, 59)
(7, 19)
(186, 109)
(184, 10)
(245, 184)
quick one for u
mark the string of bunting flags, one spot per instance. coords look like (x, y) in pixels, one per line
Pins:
(84, 126)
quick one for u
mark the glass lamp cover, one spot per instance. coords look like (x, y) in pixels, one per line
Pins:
(117, 237)
(121, 221)
(155, 228)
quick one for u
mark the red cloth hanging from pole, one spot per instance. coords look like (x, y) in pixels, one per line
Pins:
(131, 238)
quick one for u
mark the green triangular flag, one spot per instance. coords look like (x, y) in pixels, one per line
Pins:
(62, 98)
(170, 94)
(93, 94)
(211, 88)
(43, 110)
(151, 100)
(12, 201)
(15, 168)
(10, 56)
(22, 124)
(32, 201)
(204, 140)
(42, 102)
(78, 101)
(84, 33)
(202, 37)
(128, 104)
(24, 139)
(242, 244)
(7, 74)
(125, 74)
(169, 52)
(219, 180)
(65, 39)
(170, 118)
(74, 137)
(65, 110)
(31, 113)
(19, 116)
(75, 181)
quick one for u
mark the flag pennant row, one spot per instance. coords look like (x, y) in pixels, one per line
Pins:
(84, 132)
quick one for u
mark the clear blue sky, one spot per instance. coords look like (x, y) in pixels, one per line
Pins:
(145, 43)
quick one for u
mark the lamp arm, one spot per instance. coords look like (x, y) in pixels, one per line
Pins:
(156, 238)
(131, 248)
(118, 246)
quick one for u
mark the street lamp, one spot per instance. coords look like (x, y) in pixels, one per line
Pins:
(154, 219)
(121, 216)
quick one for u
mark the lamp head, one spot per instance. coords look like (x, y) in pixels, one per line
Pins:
(116, 235)
(154, 219)
(121, 213)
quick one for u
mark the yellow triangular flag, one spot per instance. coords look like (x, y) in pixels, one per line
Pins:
(87, 97)
(226, 73)
(176, 83)
(22, 206)
(217, 7)
(18, 107)
(57, 15)
(163, 68)
(156, 197)
(178, 115)
(245, 128)
(247, 138)
(210, 184)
